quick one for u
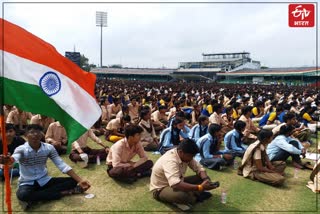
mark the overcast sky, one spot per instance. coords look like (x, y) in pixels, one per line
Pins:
(164, 34)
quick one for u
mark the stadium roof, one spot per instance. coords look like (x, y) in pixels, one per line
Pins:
(213, 54)
(299, 71)
(139, 71)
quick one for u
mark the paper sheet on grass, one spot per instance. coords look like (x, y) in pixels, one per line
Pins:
(312, 156)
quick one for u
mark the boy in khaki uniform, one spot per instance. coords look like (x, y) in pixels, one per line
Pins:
(168, 182)
(256, 164)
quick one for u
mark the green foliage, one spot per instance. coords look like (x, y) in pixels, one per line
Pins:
(84, 63)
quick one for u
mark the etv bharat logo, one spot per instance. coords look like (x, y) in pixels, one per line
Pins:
(301, 15)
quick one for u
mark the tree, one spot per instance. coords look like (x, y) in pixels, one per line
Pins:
(84, 63)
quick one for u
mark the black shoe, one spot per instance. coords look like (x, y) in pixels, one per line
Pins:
(127, 180)
(77, 190)
(204, 196)
(25, 205)
(145, 174)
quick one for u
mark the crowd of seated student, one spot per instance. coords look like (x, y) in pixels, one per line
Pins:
(209, 115)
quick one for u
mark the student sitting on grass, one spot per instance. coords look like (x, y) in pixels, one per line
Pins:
(256, 164)
(210, 154)
(13, 142)
(284, 146)
(56, 135)
(200, 129)
(149, 139)
(233, 140)
(168, 182)
(34, 183)
(120, 166)
(115, 128)
(170, 137)
(82, 154)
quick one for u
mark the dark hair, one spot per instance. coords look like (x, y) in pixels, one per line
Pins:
(35, 127)
(288, 116)
(162, 107)
(126, 118)
(279, 108)
(10, 126)
(217, 106)
(188, 146)
(131, 130)
(263, 134)
(284, 130)
(239, 124)
(180, 114)
(144, 112)
(286, 106)
(213, 128)
(259, 103)
(176, 121)
(246, 109)
(202, 118)
(236, 105)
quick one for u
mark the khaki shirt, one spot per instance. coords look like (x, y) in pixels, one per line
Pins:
(217, 119)
(104, 114)
(82, 141)
(120, 153)
(250, 127)
(169, 170)
(146, 136)
(250, 165)
(56, 133)
(133, 111)
(16, 118)
(113, 109)
(43, 122)
(114, 124)
(6, 111)
(276, 129)
(156, 117)
(119, 114)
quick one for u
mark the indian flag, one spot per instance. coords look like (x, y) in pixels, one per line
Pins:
(36, 78)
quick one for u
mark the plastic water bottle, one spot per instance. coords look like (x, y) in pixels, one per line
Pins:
(224, 197)
(235, 164)
(296, 172)
(98, 160)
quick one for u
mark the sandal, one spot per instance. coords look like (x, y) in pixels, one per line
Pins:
(307, 165)
(77, 190)
(315, 171)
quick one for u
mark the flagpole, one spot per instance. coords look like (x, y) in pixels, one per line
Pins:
(3, 128)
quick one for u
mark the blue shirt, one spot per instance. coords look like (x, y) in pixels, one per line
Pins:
(165, 136)
(280, 117)
(194, 133)
(207, 141)
(264, 120)
(233, 142)
(33, 163)
(281, 142)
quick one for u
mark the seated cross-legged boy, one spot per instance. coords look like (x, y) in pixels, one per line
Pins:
(120, 166)
(35, 184)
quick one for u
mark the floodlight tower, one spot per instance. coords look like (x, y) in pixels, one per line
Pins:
(101, 21)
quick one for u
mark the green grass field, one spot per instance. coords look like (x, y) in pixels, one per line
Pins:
(243, 195)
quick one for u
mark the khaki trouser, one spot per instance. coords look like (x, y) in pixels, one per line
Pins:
(302, 135)
(272, 178)
(168, 194)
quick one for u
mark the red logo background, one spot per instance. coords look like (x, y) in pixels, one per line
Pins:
(301, 15)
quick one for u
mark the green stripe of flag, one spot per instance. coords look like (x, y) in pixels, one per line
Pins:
(31, 98)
